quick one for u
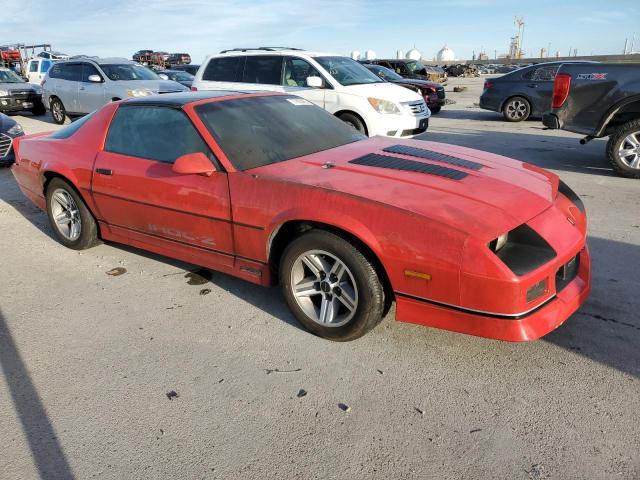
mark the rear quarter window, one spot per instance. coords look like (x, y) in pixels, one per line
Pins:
(69, 130)
(224, 69)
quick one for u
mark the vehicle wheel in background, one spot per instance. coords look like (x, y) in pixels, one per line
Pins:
(70, 218)
(435, 110)
(516, 109)
(330, 286)
(355, 122)
(58, 111)
(623, 149)
(39, 110)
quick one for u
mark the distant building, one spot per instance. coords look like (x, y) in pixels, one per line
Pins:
(369, 55)
(355, 55)
(445, 55)
(414, 54)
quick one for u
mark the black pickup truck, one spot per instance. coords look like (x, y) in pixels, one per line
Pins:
(600, 100)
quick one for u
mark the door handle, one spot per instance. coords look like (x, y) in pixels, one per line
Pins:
(104, 171)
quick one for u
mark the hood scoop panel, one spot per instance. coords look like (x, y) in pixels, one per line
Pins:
(397, 163)
(431, 155)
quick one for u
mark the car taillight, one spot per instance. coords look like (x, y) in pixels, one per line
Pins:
(561, 87)
(488, 85)
(194, 89)
(429, 90)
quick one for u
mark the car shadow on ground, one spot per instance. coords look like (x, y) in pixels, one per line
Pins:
(546, 151)
(48, 454)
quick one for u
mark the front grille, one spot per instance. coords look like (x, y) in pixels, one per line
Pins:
(567, 273)
(397, 163)
(5, 144)
(416, 108)
(431, 155)
(20, 93)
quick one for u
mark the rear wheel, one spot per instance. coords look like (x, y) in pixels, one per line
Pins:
(353, 121)
(623, 149)
(69, 217)
(58, 111)
(516, 109)
(330, 286)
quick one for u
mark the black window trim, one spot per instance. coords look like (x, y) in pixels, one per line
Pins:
(328, 85)
(213, 159)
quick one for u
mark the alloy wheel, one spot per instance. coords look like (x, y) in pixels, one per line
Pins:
(629, 150)
(324, 288)
(66, 214)
(517, 109)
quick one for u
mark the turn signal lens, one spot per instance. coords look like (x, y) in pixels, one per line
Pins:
(537, 290)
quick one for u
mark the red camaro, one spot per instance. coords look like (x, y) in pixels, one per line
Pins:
(268, 187)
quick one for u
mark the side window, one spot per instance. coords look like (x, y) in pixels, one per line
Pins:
(155, 133)
(545, 74)
(266, 69)
(224, 69)
(44, 65)
(33, 66)
(55, 71)
(87, 70)
(296, 72)
(72, 72)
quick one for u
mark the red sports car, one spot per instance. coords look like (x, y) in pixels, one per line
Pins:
(269, 188)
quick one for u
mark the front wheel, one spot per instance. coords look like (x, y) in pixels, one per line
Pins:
(353, 121)
(623, 149)
(517, 109)
(69, 217)
(331, 287)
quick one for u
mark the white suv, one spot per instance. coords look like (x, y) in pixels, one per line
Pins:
(338, 84)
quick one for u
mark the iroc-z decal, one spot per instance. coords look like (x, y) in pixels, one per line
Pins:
(591, 76)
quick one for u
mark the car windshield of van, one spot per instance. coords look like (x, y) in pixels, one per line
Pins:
(9, 76)
(416, 67)
(347, 71)
(259, 131)
(128, 71)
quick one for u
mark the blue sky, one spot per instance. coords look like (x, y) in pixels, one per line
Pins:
(120, 27)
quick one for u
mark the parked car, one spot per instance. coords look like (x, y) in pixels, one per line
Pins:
(37, 68)
(432, 92)
(411, 69)
(339, 84)
(178, 59)
(268, 187)
(9, 130)
(192, 69)
(184, 78)
(9, 55)
(16, 95)
(600, 100)
(142, 56)
(77, 87)
(521, 94)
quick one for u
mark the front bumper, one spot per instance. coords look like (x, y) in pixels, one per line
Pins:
(19, 103)
(433, 101)
(399, 126)
(529, 326)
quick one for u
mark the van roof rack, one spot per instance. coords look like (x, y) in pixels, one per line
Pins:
(267, 49)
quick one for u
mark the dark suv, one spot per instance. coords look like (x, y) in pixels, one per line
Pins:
(408, 68)
(17, 95)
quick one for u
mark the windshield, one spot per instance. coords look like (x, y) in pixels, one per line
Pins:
(259, 131)
(387, 74)
(128, 71)
(416, 66)
(347, 71)
(9, 76)
(181, 76)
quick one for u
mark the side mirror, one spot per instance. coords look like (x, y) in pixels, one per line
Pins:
(193, 164)
(163, 76)
(95, 78)
(315, 82)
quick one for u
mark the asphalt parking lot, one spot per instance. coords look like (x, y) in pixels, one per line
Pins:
(88, 359)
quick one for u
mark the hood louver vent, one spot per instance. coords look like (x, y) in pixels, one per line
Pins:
(431, 155)
(396, 163)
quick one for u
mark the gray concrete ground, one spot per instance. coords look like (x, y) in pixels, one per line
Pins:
(87, 360)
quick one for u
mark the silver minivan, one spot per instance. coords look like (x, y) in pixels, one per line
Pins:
(81, 85)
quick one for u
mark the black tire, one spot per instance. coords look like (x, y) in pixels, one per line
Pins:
(435, 110)
(618, 139)
(39, 110)
(371, 296)
(88, 227)
(58, 112)
(516, 109)
(353, 121)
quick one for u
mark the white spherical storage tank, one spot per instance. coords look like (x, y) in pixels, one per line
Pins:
(414, 54)
(369, 55)
(355, 55)
(446, 55)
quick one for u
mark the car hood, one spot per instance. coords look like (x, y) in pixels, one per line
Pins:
(21, 87)
(385, 91)
(6, 122)
(488, 202)
(155, 85)
(417, 82)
